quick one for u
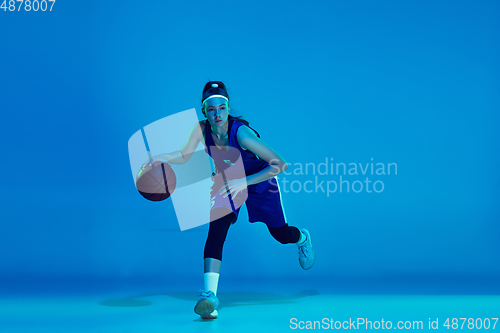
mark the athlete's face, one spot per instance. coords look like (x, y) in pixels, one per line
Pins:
(217, 111)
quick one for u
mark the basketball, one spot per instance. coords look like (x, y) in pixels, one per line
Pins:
(156, 182)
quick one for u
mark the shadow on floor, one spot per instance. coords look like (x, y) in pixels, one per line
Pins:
(227, 299)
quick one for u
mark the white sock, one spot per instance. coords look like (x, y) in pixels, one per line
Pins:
(302, 237)
(211, 281)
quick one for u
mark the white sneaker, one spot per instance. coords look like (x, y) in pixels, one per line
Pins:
(212, 315)
(307, 255)
(207, 305)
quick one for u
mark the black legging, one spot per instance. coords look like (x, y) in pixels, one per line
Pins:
(218, 229)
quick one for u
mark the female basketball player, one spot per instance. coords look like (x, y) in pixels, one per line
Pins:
(223, 135)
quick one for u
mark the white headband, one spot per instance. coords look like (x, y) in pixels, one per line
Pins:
(214, 96)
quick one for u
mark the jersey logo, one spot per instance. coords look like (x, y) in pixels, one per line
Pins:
(228, 162)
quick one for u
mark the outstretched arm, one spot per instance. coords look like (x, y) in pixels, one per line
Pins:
(184, 154)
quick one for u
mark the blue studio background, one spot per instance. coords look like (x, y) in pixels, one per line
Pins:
(414, 83)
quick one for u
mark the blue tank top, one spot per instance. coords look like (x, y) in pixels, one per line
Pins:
(224, 159)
